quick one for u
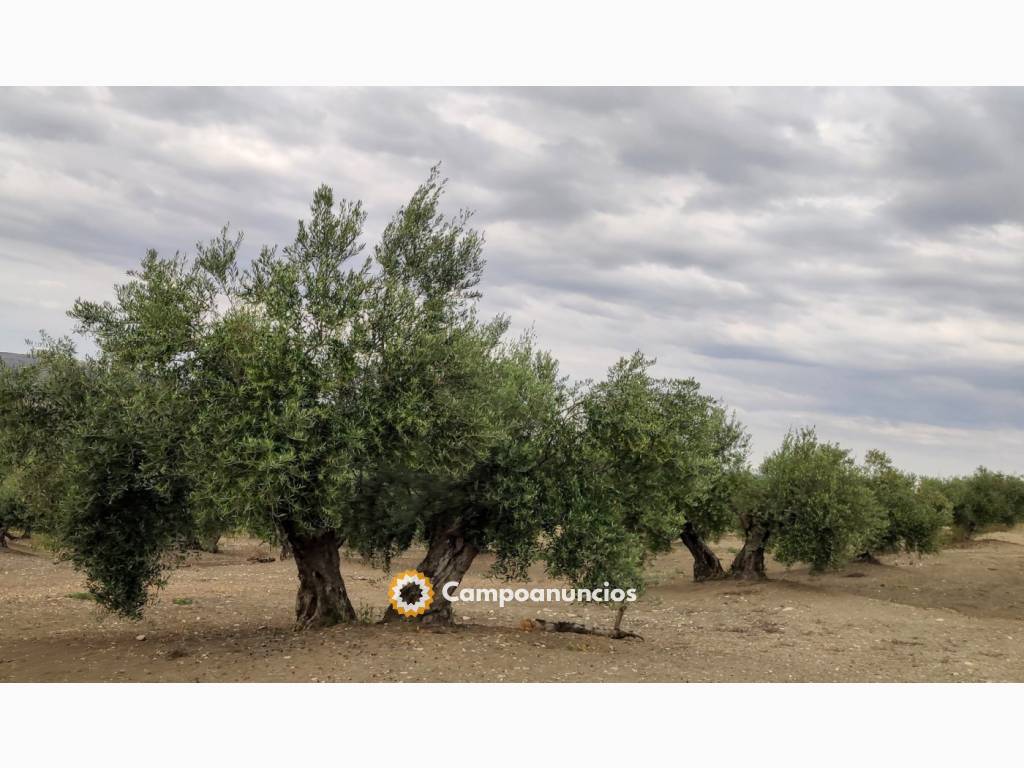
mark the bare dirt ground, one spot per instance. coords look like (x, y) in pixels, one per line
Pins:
(954, 616)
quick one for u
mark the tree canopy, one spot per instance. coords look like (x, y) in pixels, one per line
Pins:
(811, 504)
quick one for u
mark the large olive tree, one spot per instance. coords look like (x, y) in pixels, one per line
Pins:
(277, 397)
(326, 378)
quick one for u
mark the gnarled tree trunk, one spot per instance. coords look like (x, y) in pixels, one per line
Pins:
(706, 565)
(321, 600)
(448, 558)
(749, 561)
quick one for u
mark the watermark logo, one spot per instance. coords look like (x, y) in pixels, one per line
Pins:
(606, 594)
(411, 593)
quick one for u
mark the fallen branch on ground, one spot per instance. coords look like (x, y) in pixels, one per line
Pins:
(615, 633)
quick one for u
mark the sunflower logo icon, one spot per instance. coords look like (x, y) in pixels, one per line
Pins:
(410, 593)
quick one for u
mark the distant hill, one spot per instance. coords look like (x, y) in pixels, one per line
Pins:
(15, 360)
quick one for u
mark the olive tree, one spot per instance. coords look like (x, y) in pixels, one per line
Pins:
(123, 505)
(323, 381)
(643, 458)
(753, 522)
(271, 398)
(39, 403)
(479, 480)
(98, 465)
(614, 510)
(811, 504)
(912, 518)
(13, 509)
(710, 457)
(128, 463)
(276, 437)
(984, 499)
(456, 419)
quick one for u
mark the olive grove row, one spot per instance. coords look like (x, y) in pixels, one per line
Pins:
(325, 398)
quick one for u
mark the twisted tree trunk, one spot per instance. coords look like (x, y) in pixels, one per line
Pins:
(706, 565)
(749, 561)
(321, 600)
(448, 558)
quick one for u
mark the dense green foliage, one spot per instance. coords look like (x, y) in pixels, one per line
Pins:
(275, 433)
(709, 460)
(124, 505)
(816, 503)
(984, 499)
(461, 414)
(503, 401)
(915, 514)
(14, 512)
(99, 464)
(614, 507)
(642, 457)
(38, 405)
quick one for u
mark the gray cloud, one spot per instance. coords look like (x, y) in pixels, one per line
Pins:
(850, 258)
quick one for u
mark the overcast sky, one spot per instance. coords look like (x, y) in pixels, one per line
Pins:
(850, 259)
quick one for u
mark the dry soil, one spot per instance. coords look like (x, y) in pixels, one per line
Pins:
(954, 616)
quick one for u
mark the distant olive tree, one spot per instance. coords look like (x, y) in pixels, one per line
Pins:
(985, 499)
(39, 404)
(811, 504)
(914, 517)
